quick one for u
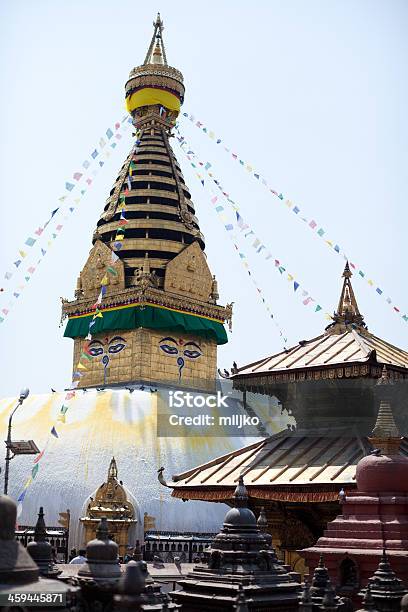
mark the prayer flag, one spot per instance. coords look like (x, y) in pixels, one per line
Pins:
(39, 231)
(38, 457)
(34, 471)
(30, 241)
(8, 275)
(313, 224)
(69, 186)
(94, 154)
(17, 263)
(78, 176)
(31, 270)
(295, 286)
(114, 257)
(22, 496)
(109, 133)
(86, 164)
(54, 432)
(112, 270)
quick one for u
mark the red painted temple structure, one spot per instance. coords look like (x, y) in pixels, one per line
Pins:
(374, 517)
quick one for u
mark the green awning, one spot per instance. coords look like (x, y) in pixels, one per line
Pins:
(152, 317)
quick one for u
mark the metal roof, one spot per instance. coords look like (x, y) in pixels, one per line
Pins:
(329, 349)
(309, 458)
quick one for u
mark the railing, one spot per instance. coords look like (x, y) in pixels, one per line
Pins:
(167, 545)
(56, 536)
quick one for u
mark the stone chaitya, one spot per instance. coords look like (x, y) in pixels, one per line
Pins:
(158, 319)
(19, 574)
(41, 550)
(240, 559)
(328, 385)
(111, 501)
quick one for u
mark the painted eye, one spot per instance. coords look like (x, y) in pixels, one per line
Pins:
(95, 350)
(116, 348)
(170, 350)
(192, 354)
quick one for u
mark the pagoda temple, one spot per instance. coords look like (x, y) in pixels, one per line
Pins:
(157, 317)
(328, 385)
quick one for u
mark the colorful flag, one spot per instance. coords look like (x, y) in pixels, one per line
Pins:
(109, 133)
(8, 275)
(94, 154)
(69, 186)
(17, 263)
(54, 432)
(34, 471)
(30, 241)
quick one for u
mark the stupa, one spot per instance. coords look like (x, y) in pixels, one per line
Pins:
(156, 323)
(157, 318)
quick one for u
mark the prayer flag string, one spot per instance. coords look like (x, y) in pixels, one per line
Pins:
(309, 222)
(246, 229)
(65, 202)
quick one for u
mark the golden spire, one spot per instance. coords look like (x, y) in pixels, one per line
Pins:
(113, 469)
(156, 54)
(347, 313)
(385, 434)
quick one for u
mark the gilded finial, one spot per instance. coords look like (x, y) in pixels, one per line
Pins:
(347, 314)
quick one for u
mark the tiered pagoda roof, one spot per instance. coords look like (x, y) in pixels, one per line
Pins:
(346, 349)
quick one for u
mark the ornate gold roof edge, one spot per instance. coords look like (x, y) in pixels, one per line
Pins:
(155, 296)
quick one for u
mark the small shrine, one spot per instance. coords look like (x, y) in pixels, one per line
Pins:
(110, 501)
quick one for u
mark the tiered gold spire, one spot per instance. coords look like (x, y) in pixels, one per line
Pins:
(148, 256)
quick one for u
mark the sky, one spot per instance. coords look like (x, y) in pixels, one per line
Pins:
(311, 93)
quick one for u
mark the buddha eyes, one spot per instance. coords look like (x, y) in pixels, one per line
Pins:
(170, 350)
(116, 345)
(116, 348)
(95, 350)
(192, 354)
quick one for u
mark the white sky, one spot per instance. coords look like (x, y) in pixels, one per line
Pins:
(313, 93)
